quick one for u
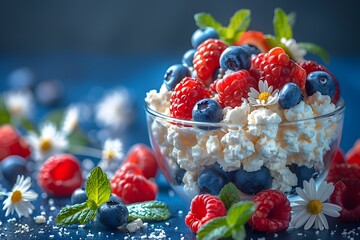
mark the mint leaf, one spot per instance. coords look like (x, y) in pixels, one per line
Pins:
(98, 186)
(78, 213)
(282, 28)
(206, 20)
(238, 233)
(4, 113)
(149, 211)
(315, 49)
(238, 24)
(291, 18)
(214, 229)
(229, 195)
(239, 213)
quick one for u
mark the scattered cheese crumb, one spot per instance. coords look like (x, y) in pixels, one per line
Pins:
(40, 219)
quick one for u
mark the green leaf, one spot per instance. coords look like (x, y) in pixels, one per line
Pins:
(214, 229)
(229, 195)
(291, 17)
(78, 213)
(77, 138)
(27, 124)
(149, 211)
(238, 233)
(54, 117)
(98, 186)
(5, 117)
(239, 213)
(316, 49)
(282, 28)
(206, 20)
(238, 24)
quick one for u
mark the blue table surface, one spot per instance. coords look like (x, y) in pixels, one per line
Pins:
(86, 78)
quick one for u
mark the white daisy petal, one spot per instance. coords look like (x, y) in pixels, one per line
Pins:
(312, 188)
(327, 193)
(297, 207)
(302, 193)
(323, 221)
(301, 221)
(310, 222)
(331, 209)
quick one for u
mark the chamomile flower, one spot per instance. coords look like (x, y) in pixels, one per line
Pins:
(71, 120)
(265, 97)
(313, 208)
(296, 52)
(112, 155)
(19, 103)
(115, 110)
(48, 143)
(19, 199)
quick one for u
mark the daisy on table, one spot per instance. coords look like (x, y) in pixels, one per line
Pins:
(19, 199)
(265, 97)
(19, 103)
(311, 210)
(112, 155)
(71, 120)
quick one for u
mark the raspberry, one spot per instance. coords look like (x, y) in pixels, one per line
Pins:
(347, 196)
(206, 58)
(272, 213)
(278, 69)
(184, 97)
(342, 171)
(131, 187)
(11, 143)
(143, 157)
(353, 155)
(312, 66)
(338, 157)
(234, 87)
(203, 208)
(60, 175)
(129, 167)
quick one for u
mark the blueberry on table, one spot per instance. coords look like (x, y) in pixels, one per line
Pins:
(203, 34)
(78, 196)
(112, 214)
(211, 181)
(235, 58)
(302, 173)
(253, 182)
(290, 95)
(11, 167)
(320, 81)
(207, 110)
(174, 75)
(188, 57)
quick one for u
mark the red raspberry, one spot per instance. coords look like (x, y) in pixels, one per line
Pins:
(206, 59)
(144, 158)
(347, 196)
(338, 157)
(132, 188)
(184, 97)
(11, 143)
(60, 175)
(129, 167)
(278, 69)
(312, 66)
(203, 208)
(342, 171)
(353, 155)
(234, 87)
(272, 213)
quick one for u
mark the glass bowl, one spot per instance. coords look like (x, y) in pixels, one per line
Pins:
(290, 151)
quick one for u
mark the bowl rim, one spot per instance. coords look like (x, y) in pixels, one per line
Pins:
(151, 112)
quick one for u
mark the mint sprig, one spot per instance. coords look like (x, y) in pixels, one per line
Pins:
(98, 187)
(231, 225)
(5, 117)
(149, 211)
(315, 49)
(282, 27)
(229, 195)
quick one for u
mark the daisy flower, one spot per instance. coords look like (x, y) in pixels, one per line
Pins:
(71, 120)
(48, 143)
(115, 110)
(19, 199)
(297, 53)
(19, 103)
(265, 97)
(112, 154)
(313, 208)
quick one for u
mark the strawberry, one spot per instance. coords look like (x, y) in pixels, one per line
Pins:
(254, 38)
(143, 158)
(60, 175)
(11, 143)
(353, 155)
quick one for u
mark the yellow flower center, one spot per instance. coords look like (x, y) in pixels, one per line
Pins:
(264, 96)
(45, 144)
(314, 207)
(109, 155)
(16, 196)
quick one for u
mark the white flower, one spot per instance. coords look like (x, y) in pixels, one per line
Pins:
(313, 208)
(19, 103)
(48, 143)
(71, 120)
(19, 198)
(112, 155)
(115, 110)
(296, 52)
(265, 97)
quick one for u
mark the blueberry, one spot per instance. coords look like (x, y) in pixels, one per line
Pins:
(49, 92)
(207, 110)
(188, 57)
(203, 34)
(235, 58)
(211, 181)
(78, 196)
(290, 95)
(21, 78)
(13, 166)
(302, 173)
(320, 81)
(253, 182)
(251, 49)
(217, 74)
(228, 175)
(179, 175)
(174, 75)
(112, 214)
